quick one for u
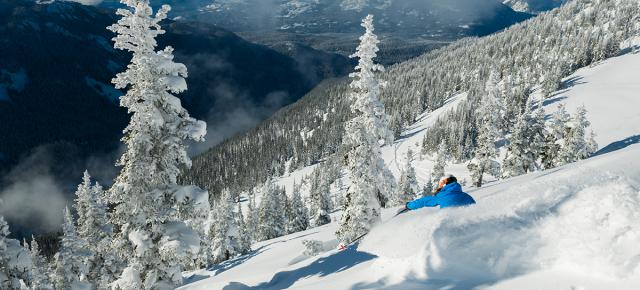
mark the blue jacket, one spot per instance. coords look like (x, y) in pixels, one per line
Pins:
(451, 195)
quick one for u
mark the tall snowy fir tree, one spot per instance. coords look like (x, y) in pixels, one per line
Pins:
(521, 156)
(371, 181)
(251, 221)
(320, 202)
(72, 260)
(244, 239)
(94, 227)
(151, 235)
(224, 233)
(299, 215)
(271, 218)
(486, 152)
(408, 185)
(439, 164)
(557, 134)
(537, 134)
(40, 271)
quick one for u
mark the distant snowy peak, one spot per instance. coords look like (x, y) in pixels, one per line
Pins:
(359, 5)
(533, 6)
(296, 7)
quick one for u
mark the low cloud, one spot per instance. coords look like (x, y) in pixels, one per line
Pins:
(34, 204)
(237, 115)
(36, 190)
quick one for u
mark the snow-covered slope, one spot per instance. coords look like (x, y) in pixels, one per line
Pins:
(573, 227)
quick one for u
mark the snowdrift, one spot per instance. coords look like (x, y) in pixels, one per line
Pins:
(580, 219)
(574, 226)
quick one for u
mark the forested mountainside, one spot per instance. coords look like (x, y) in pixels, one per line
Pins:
(57, 62)
(529, 57)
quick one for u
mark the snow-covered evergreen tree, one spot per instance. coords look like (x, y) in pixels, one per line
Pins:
(271, 222)
(15, 260)
(576, 145)
(592, 145)
(426, 189)
(224, 232)
(150, 207)
(486, 153)
(71, 262)
(244, 238)
(557, 134)
(408, 186)
(319, 198)
(537, 133)
(521, 156)
(40, 271)
(299, 215)
(371, 181)
(284, 208)
(438, 166)
(95, 229)
(251, 222)
(338, 199)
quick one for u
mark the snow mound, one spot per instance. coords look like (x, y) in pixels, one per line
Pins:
(580, 219)
(570, 227)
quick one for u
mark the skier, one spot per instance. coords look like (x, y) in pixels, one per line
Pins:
(449, 194)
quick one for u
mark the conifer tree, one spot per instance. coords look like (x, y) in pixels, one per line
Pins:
(521, 156)
(576, 146)
(244, 237)
(252, 219)
(224, 231)
(299, 215)
(152, 236)
(270, 218)
(408, 185)
(486, 152)
(592, 145)
(438, 166)
(556, 137)
(283, 208)
(95, 229)
(338, 202)
(372, 182)
(426, 189)
(72, 260)
(537, 134)
(319, 198)
(15, 260)
(40, 270)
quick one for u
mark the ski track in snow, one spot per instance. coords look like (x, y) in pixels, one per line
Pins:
(573, 227)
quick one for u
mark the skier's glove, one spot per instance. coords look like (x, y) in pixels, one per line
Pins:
(403, 210)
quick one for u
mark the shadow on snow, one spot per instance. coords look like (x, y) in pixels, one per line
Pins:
(618, 145)
(334, 263)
